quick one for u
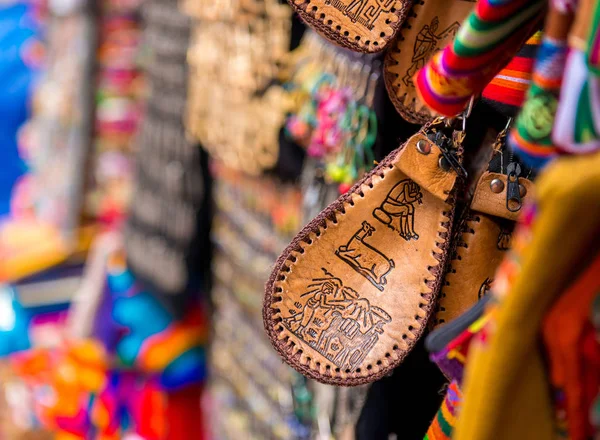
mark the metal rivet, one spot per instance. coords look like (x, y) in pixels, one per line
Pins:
(497, 186)
(444, 164)
(522, 190)
(423, 147)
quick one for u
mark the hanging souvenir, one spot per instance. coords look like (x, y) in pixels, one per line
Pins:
(360, 25)
(350, 296)
(237, 120)
(484, 232)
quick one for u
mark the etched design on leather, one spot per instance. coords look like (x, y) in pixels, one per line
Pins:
(398, 211)
(361, 25)
(363, 12)
(504, 239)
(431, 24)
(426, 44)
(485, 287)
(366, 259)
(336, 322)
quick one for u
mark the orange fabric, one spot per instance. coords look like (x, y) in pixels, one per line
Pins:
(563, 331)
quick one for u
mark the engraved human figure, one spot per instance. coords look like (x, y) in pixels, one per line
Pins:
(397, 210)
(366, 259)
(325, 295)
(426, 43)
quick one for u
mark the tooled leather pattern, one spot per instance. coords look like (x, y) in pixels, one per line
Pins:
(355, 31)
(430, 25)
(288, 334)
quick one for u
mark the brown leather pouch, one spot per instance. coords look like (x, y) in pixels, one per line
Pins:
(353, 292)
(482, 239)
(359, 25)
(431, 24)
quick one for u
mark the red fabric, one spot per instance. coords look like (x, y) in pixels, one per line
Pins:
(564, 332)
(184, 414)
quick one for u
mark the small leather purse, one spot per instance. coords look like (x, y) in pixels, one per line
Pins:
(359, 25)
(484, 233)
(353, 292)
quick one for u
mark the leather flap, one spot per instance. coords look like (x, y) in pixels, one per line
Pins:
(424, 168)
(488, 202)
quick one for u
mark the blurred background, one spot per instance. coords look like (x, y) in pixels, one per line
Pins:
(156, 157)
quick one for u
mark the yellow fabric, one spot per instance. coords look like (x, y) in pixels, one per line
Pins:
(506, 394)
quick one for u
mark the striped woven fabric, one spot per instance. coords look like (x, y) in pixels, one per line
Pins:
(507, 90)
(442, 426)
(487, 40)
(531, 137)
(593, 55)
(577, 126)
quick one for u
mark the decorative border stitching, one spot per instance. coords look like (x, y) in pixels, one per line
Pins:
(458, 250)
(323, 24)
(408, 112)
(287, 349)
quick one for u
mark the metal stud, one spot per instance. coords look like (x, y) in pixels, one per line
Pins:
(423, 147)
(522, 190)
(497, 186)
(444, 164)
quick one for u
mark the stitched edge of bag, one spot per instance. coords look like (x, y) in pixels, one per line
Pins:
(348, 42)
(457, 249)
(286, 350)
(409, 114)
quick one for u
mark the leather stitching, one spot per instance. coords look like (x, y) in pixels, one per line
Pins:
(280, 337)
(407, 110)
(464, 234)
(325, 25)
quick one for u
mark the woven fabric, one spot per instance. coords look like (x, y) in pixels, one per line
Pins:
(442, 426)
(506, 92)
(531, 135)
(487, 40)
(593, 54)
(577, 126)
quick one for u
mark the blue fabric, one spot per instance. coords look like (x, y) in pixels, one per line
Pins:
(16, 81)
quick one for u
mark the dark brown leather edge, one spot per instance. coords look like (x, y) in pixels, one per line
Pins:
(325, 30)
(315, 225)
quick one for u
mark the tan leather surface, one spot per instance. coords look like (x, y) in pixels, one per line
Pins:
(351, 296)
(434, 26)
(481, 246)
(424, 169)
(360, 25)
(484, 200)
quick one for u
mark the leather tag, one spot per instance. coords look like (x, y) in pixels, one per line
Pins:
(431, 25)
(424, 169)
(359, 25)
(351, 295)
(488, 202)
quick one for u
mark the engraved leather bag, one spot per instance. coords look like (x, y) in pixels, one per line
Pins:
(431, 25)
(359, 25)
(482, 239)
(352, 293)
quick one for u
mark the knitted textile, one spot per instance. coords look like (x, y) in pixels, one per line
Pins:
(577, 127)
(507, 90)
(487, 40)
(442, 426)
(531, 135)
(593, 54)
